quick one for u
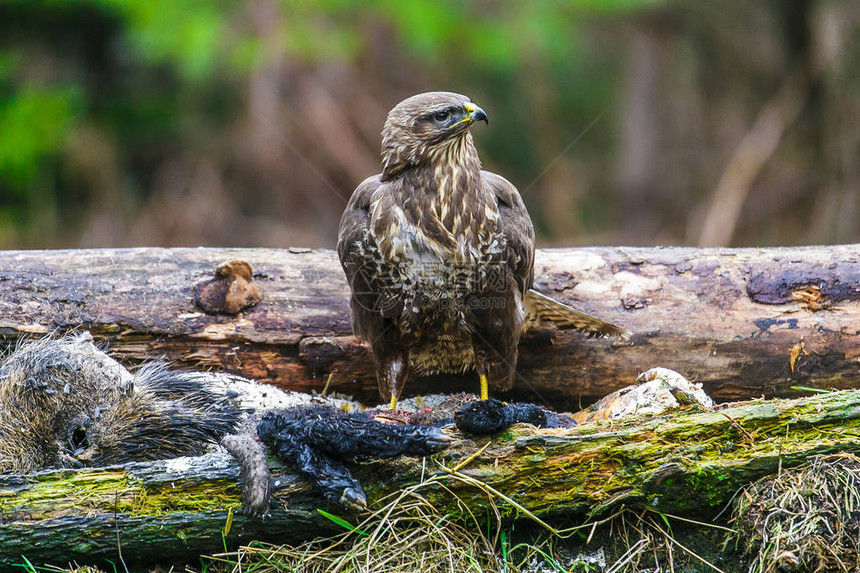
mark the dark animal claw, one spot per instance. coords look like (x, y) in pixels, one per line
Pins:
(439, 440)
(353, 499)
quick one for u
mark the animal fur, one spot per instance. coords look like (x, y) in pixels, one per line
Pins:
(253, 470)
(492, 416)
(64, 403)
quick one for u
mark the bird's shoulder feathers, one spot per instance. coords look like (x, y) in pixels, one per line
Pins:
(516, 227)
(355, 217)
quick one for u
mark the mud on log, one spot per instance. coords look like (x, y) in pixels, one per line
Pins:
(745, 322)
(681, 462)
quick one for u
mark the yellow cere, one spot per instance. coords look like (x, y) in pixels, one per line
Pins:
(470, 110)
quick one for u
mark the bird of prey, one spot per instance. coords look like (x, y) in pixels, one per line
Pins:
(439, 254)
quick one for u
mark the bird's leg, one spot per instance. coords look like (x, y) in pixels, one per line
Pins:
(482, 368)
(492, 367)
(395, 372)
(485, 386)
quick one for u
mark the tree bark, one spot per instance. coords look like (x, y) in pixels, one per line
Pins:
(681, 462)
(744, 322)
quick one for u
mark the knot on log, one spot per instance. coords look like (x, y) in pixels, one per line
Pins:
(230, 292)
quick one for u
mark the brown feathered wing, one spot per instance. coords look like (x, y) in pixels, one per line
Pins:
(541, 308)
(350, 250)
(517, 229)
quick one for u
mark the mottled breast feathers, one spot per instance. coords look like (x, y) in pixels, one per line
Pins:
(514, 226)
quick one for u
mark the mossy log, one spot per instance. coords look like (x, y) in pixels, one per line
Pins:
(744, 322)
(682, 462)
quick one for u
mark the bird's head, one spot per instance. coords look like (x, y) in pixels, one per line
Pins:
(420, 129)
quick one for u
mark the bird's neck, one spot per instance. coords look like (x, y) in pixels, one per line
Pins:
(457, 153)
(445, 211)
(454, 194)
(448, 201)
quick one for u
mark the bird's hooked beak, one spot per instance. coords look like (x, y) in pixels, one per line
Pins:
(476, 114)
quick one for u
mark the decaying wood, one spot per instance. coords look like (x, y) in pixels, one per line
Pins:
(744, 322)
(681, 462)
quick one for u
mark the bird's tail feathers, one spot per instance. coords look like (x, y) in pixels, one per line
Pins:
(541, 308)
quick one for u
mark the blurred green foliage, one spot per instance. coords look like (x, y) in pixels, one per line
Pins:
(107, 104)
(34, 122)
(144, 69)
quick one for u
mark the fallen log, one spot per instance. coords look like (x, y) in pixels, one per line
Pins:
(681, 462)
(744, 322)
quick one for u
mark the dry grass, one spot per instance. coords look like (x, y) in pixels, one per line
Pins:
(406, 533)
(805, 519)
(409, 534)
(645, 541)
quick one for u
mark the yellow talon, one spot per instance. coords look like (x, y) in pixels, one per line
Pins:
(485, 389)
(393, 404)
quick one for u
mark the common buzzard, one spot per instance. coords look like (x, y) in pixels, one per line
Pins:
(439, 254)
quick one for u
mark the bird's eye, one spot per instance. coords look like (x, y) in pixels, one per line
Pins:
(441, 116)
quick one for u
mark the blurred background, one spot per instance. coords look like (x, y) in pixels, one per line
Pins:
(249, 123)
